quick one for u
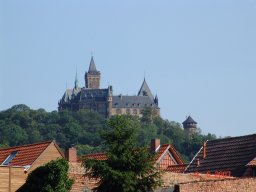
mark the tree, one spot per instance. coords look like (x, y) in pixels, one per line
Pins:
(49, 178)
(126, 169)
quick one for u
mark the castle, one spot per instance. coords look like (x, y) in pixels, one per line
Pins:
(92, 97)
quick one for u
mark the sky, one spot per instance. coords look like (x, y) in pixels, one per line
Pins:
(198, 56)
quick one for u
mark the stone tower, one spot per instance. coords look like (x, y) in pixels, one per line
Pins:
(92, 77)
(190, 125)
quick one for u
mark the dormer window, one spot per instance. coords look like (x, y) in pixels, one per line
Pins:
(10, 158)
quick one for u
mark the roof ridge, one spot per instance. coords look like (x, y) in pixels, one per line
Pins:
(25, 145)
(231, 138)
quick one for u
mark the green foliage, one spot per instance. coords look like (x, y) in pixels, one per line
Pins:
(49, 178)
(22, 125)
(126, 169)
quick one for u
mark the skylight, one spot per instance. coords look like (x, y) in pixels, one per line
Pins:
(9, 158)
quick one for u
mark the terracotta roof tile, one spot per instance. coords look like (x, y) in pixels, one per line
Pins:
(96, 156)
(228, 154)
(26, 155)
(176, 168)
(161, 151)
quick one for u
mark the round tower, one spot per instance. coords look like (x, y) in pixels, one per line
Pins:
(190, 125)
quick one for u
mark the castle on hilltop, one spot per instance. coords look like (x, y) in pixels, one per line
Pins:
(103, 101)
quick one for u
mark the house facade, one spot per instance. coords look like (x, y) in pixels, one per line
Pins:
(17, 162)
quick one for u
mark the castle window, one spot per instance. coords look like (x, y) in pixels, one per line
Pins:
(116, 104)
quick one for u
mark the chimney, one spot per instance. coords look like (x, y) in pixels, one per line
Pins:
(71, 154)
(155, 144)
(204, 150)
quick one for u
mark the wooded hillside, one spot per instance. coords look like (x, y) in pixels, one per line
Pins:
(22, 125)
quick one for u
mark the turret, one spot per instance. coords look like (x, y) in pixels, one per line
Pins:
(190, 125)
(76, 82)
(156, 100)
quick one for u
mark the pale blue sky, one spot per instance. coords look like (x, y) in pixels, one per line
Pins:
(198, 56)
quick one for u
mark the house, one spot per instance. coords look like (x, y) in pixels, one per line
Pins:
(16, 162)
(233, 156)
(166, 155)
(166, 159)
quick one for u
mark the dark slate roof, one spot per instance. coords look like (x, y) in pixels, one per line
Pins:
(132, 101)
(70, 94)
(189, 120)
(96, 94)
(228, 154)
(82, 94)
(145, 91)
(92, 67)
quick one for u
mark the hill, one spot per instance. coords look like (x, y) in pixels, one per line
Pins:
(22, 125)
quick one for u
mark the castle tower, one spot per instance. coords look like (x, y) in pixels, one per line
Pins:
(92, 77)
(190, 125)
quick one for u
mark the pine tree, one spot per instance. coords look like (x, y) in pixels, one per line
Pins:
(126, 169)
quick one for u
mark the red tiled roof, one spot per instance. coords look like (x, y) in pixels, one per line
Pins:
(26, 155)
(176, 168)
(160, 152)
(96, 156)
(228, 154)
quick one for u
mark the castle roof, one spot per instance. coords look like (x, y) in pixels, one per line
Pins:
(145, 91)
(92, 67)
(81, 94)
(189, 120)
(132, 101)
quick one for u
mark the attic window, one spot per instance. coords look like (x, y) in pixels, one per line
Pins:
(9, 158)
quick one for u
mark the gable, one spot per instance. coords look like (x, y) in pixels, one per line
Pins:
(52, 152)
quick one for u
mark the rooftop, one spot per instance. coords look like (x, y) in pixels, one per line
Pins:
(228, 154)
(22, 155)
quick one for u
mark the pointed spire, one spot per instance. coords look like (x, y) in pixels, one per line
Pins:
(92, 67)
(145, 91)
(76, 81)
(156, 100)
